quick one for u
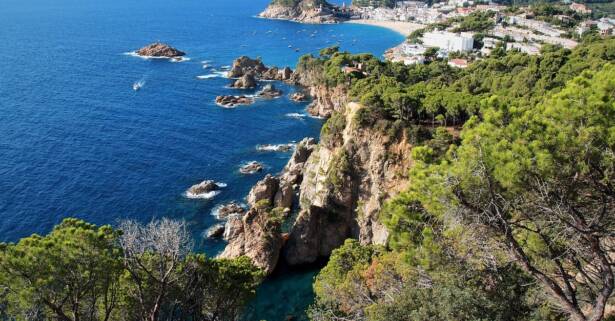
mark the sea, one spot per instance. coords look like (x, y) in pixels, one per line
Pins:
(76, 139)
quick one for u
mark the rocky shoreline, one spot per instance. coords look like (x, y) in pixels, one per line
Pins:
(326, 192)
(305, 11)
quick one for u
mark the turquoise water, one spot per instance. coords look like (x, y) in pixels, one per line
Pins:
(76, 140)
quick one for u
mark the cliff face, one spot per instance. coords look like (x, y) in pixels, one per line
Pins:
(345, 184)
(335, 188)
(305, 11)
(326, 100)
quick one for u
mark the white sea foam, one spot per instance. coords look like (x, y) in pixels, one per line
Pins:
(296, 115)
(206, 196)
(275, 148)
(216, 74)
(174, 59)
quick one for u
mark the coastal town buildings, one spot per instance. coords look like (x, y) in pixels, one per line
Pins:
(605, 26)
(580, 8)
(449, 41)
(458, 63)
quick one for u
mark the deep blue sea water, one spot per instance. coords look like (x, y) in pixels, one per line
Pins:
(76, 140)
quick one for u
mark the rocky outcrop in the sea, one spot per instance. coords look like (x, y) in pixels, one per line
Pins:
(204, 189)
(298, 97)
(215, 231)
(270, 92)
(229, 209)
(250, 70)
(305, 11)
(233, 101)
(274, 73)
(247, 81)
(244, 65)
(258, 234)
(160, 50)
(251, 168)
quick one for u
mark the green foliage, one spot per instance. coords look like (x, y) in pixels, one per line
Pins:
(332, 130)
(339, 169)
(536, 147)
(72, 273)
(477, 21)
(79, 272)
(511, 171)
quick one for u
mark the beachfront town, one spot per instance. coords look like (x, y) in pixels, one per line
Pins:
(465, 30)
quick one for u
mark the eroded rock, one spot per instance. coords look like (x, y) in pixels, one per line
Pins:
(161, 50)
(233, 101)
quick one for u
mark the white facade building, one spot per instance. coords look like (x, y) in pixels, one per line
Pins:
(449, 41)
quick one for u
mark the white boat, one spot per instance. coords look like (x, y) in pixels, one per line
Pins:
(136, 86)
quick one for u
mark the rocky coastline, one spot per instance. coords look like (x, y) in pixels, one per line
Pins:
(326, 193)
(305, 11)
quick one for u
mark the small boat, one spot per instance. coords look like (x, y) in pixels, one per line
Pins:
(290, 46)
(137, 86)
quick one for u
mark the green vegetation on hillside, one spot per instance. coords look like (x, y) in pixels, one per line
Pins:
(512, 218)
(83, 272)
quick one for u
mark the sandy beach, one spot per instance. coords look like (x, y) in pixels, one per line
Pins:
(401, 27)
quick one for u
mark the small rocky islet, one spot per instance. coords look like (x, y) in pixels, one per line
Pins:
(251, 168)
(160, 50)
(204, 189)
(247, 72)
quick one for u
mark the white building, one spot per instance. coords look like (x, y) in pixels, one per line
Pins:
(449, 41)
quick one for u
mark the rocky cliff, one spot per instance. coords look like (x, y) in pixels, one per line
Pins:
(346, 180)
(305, 11)
(341, 184)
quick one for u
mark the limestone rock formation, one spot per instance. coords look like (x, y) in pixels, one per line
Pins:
(244, 65)
(256, 235)
(203, 189)
(270, 92)
(160, 50)
(344, 186)
(215, 231)
(298, 97)
(251, 168)
(247, 81)
(229, 209)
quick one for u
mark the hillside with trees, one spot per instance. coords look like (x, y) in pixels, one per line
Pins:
(511, 207)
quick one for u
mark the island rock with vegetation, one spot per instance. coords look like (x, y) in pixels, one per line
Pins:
(306, 11)
(160, 50)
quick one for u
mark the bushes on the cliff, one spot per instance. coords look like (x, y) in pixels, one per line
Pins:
(420, 94)
(83, 272)
(536, 182)
(369, 283)
(499, 220)
(332, 130)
